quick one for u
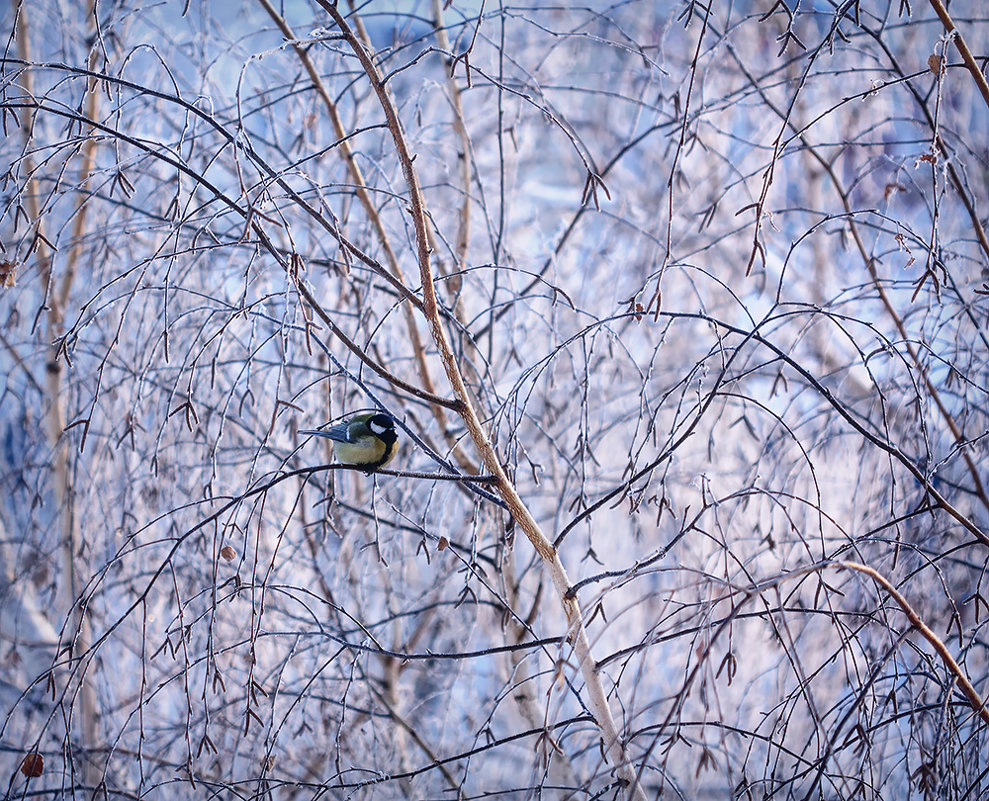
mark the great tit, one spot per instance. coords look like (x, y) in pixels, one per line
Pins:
(366, 440)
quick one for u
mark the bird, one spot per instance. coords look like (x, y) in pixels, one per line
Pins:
(367, 440)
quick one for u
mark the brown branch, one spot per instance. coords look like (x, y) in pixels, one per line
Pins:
(971, 694)
(613, 743)
(360, 188)
(966, 54)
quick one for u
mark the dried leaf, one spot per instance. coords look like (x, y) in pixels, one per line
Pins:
(33, 765)
(8, 270)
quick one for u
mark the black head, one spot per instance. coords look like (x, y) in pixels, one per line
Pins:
(383, 426)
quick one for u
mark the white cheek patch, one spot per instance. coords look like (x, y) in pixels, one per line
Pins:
(377, 429)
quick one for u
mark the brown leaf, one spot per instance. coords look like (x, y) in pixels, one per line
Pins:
(8, 270)
(443, 544)
(936, 63)
(228, 553)
(33, 765)
(891, 188)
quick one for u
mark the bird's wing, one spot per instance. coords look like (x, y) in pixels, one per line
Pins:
(338, 433)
